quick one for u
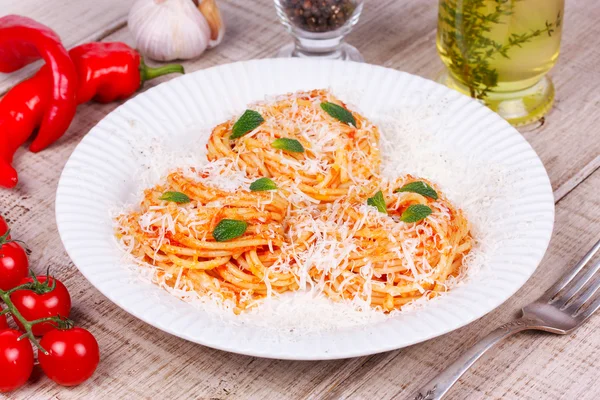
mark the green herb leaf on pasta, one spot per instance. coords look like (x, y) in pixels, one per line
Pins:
(378, 202)
(419, 187)
(249, 121)
(339, 113)
(176, 197)
(262, 184)
(290, 145)
(229, 229)
(415, 213)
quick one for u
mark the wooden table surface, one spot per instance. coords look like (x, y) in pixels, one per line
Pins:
(139, 361)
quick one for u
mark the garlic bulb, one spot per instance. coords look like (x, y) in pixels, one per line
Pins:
(166, 30)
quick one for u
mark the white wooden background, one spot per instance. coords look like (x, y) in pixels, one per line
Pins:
(139, 361)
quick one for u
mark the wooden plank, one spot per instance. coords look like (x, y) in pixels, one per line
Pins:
(139, 361)
(76, 21)
(576, 179)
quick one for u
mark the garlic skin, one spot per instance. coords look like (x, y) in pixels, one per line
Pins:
(166, 30)
(211, 12)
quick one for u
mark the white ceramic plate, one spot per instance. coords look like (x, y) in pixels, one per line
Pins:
(102, 172)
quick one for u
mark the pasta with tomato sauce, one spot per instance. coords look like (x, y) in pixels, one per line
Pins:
(291, 198)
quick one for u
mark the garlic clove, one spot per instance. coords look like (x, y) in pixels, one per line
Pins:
(166, 30)
(211, 12)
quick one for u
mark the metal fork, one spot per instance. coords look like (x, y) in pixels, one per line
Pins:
(560, 310)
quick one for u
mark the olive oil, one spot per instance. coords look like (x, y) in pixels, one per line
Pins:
(500, 51)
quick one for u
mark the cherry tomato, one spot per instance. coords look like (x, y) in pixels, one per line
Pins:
(72, 358)
(16, 360)
(3, 227)
(14, 265)
(3, 323)
(34, 306)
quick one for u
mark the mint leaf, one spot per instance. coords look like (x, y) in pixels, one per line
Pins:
(262, 184)
(419, 187)
(176, 197)
(415, 213)
(339, 113)
(291, 145)
(229, 229)
(249, 121)
(378, 202)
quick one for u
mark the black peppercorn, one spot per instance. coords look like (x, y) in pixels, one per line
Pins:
(319, 15)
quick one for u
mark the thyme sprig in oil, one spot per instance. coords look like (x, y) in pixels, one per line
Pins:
(467, 45)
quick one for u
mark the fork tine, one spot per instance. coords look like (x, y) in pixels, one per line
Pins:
(589, 310)
(580, 299)
(568, 277)
(562, 300)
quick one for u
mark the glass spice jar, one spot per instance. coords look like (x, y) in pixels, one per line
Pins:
(319, 27)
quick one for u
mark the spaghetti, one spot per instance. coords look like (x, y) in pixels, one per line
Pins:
(176, 240)
(355, 252)
(337, 156)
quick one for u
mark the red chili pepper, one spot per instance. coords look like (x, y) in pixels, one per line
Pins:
(22, 41)
(107, 72)
(21, 112)
(112, 71)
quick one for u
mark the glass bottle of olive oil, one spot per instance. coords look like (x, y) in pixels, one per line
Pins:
(500, 51)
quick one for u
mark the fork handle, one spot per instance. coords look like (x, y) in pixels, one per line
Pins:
(436, 388)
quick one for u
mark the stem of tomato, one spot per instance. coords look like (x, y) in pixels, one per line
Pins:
(20, 287)
(4, 239)
(5, 296)
(27, 325)
(41, 320)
